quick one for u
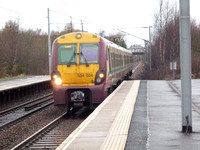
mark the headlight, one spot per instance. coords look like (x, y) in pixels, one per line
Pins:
(78, 35)
(56, 78)
(58, 81)
(100, 76)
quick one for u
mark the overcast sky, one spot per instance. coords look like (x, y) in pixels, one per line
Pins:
(104, 14)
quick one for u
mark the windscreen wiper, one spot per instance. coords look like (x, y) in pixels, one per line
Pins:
(70, 61)
(87, 64)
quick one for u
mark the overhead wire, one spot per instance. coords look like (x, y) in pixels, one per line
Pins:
(132, 35)
(82, 21)
(15, 12)
(68, 16)
(10, 10)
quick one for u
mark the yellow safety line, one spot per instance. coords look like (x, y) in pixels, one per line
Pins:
(116, 138)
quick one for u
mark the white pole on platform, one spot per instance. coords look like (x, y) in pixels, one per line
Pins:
(49, 41)
(185, 51)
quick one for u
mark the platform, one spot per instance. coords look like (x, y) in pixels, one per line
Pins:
(16, 88)
(21, 82)
(155, 112)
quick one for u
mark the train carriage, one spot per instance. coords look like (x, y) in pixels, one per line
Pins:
(85, 67)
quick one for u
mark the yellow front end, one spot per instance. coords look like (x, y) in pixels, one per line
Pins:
(78, 59)
(78, 75)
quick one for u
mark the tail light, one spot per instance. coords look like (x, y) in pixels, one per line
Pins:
(56, 78)
(100, 77)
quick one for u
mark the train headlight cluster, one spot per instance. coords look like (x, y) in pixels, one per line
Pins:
(58, 81)
(56, 78)
(100, 77)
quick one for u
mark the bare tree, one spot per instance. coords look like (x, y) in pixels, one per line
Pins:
(162, 18)
(165, 45)
(9, 44)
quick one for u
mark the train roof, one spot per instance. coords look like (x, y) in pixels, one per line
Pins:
(115, 45)
(104, 39)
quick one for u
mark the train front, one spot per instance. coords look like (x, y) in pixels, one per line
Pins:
(78, 69)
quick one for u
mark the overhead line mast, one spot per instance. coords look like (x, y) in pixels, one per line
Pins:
(185, 51)
(49, 41)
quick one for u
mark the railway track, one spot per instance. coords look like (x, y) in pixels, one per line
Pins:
(18, 113)
(53, 134)
(195, 106)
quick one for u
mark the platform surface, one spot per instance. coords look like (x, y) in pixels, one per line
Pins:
(195, 90)
(138, 115)
(21, 82)
(156, 123)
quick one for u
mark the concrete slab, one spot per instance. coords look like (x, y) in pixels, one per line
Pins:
(195, 89)
(21, 82)
(158, 126)
(137, 137)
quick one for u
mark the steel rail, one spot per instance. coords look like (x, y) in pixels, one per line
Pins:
(54, 133)
(22, 105)
(22, 113)
(17, 120)
(41, 131)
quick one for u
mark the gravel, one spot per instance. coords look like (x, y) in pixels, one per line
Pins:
(16, 134)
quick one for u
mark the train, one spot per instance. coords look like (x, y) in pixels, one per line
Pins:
(86, 67)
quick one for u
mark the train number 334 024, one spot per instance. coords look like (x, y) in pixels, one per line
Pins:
(84, 75)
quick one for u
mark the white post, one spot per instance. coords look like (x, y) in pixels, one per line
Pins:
(185, 51)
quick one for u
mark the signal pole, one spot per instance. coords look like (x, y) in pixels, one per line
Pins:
(185, 51)
(49, 41)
